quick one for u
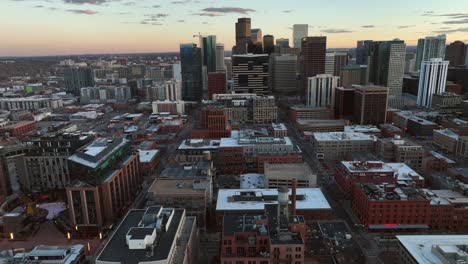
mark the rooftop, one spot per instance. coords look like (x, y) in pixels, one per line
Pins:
(176, 186)
(387, 192)
(298, 171)
(255, 199)
(148, 155)
(199, 144)
(339, 136)
(429, 249)
(93, 154)
(362, 129)
(252, 181)
(448, 133)
(279, 126)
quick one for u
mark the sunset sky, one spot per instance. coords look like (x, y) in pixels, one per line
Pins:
(52, 27)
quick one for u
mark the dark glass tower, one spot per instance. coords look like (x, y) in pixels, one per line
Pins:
(209, 53)
(191, 64)
(268, 44)
(77, 78)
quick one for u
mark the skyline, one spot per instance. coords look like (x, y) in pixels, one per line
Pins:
(72, 27)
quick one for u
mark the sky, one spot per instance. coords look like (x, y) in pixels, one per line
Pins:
(62, 27)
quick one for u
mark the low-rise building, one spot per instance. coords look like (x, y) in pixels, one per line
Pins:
(153, 235)
(336, 145)
(428, 249)
(51, 254)
(279, 130)
(166, 106)
(321, 125)
(420, 128)
(400, 150)
(278, 175)
(389, 130)
(365, 129)
(445, 139)
(304, 112)
(17, 128)
(148, 160)
(193, 150)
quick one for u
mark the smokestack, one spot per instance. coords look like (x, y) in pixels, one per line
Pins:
(293, 194)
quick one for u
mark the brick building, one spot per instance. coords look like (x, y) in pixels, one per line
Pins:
(215, 119)
(216, 83)
(420, 128)
(400, 150)
(148, 160)
(302, 112)
(17, 128)
(336, 145)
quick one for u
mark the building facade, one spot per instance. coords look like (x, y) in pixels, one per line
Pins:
(191, 63)
(300, 31)
(250, 73)
(432, 80)
(370, 104)
(430, 48)
(321, 90)
(283, 74)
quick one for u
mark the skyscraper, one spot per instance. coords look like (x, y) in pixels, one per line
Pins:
(321, 90)
(209, 53)
(335, 61)
(77, 78)
(191, 64)
(363, 51)
(430, 47)
(220, 66)
(370, 104)
(432, 80)
(283, 74)
(312, 58)
(410, 62)
(455, 53)
(353, 74)
(256, 35)
(243, 35)
(216, 83)
(300, 31)
(387, 65)
(250, 73)
(268, 44)
(282, 42)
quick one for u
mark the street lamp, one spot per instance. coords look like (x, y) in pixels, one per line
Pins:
(68, 235)
(12, 236)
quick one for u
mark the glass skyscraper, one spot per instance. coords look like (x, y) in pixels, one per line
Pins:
(191, 64)
(209, 53)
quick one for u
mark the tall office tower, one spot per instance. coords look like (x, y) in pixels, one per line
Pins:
(256, 36)
(191, 64)
(300, 31)
(282, 42)
(268, 44)
(209, 53)
(283, 74)
(432, 80)
(220, 66)
(387, 65)
(77, 78)
(344, 103)
(321, 90)
(312, 58)
(363, 51)
(370, 104)
(455, 53)
(173, 90)
(430, 47)
(228, 63)
(353, 74)
(410, 62)
(176, 72)
(216, 83)
(335, 61)
(243, 33)
(250, 73)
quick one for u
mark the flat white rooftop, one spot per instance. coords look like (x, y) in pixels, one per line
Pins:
(313, 199)
(362, 129)
(342, 136)
(448, 133)
(420, 246)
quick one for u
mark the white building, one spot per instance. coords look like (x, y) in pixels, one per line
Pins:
(176, 72)
(220, 57)
(429, 48)
(432, 80)
(321, 90)
(334, 61)
(299, 31)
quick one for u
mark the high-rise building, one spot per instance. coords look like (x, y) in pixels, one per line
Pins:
(353, 74)
(250, 73)
(387, 65)
(430, 47)
(176, 72)
(410, 62)
(243, 35)
(173, 90)
(228, 64)
(191, 64)
(363, 51)
(256, 35)
(282, 42)
(334, 62)
(344, 103)
(312, 59)
(370, 104)
(283, 74)
(432, 80)
(455, 53)
(220, 66)
(209, 53)
(268, 44)
(77, 78)
(300, 31)
(321, 90)
(216, 83)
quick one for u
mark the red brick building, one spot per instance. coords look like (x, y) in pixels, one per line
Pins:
(216, 83)
(149, 159)
(215, 119)
(18, 128)
(302, 112)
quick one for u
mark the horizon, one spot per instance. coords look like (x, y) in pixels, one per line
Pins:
(43, 28)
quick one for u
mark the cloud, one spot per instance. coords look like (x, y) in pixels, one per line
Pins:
(156, 6)
(368, 26)
(83, 12)
(129, 4)
(206, 23)
(456, 22)
(80, 2)
(181, 2)
(207, 14)
(39, 6)
(238, 10)
(336, 31)
(407, 26)
(287, 11)
(446, 31)
(181, 21)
